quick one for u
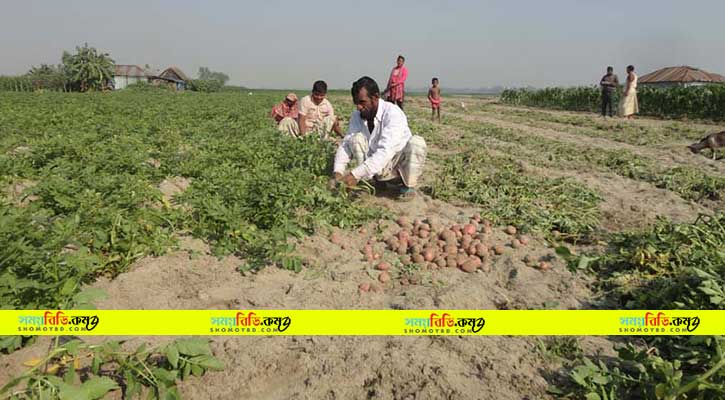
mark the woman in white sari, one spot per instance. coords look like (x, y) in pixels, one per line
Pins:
(629, 105)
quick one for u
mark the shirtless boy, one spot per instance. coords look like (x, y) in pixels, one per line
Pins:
(434, 96)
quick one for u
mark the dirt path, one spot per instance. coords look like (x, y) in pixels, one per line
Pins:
(670, 156)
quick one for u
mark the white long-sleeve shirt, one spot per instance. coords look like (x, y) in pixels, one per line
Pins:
(389, 136)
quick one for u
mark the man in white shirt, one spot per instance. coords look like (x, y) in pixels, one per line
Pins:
(379, 141)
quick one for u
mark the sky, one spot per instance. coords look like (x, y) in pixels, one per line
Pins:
(290, 44)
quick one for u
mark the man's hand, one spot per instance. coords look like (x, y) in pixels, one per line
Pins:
(349, 180)
(336, 178)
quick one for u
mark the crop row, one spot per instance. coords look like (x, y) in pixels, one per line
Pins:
(702, 102)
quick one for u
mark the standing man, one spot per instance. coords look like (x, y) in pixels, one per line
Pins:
(286, 114)
(396, 84)
(380, 142)
(316, 113)
(609, 84)
(629, 104)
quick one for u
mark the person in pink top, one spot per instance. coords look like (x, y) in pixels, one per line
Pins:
(396, 84)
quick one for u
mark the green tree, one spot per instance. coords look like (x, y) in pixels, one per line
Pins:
(208, 75)
(88, 69)
(49, 77)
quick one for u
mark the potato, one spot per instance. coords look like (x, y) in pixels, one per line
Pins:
(456, 228)
(471, 264)
(405, 260)
(384, 277)
(447, 234)
(451, 249)
(415, 249)
(383, 266)
(441, 262)
(524, 240)
(451, 262)
(477, 217)
(466, 240)
(403, 235)
(498, 249)
(516, 244)
(481, 250)
(487, 230)
(403, 221)
(423, 234)
(376, 256)
(471, 250)
(363, 231)
(367, 249)
(424, 227)
(544, 266)
(364, 287)
(469, 229)
(403, 247)
(431, 266)
(511, 230)
(461, 259)
(429, 254)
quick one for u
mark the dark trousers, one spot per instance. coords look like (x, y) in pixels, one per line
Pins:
(607, 102)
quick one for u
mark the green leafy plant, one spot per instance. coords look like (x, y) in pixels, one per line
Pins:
(79, 371)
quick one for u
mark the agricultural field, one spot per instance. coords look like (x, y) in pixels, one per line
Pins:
(144, 199)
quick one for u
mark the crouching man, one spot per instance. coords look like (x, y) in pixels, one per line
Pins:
(380, 143)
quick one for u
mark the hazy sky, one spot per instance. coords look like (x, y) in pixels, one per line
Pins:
(289, 44)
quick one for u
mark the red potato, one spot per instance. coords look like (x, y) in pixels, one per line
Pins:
(469, 229)
(498, 249)
(383, 266)
(471, 264)
(364, 287)
(429, 254)
(481, 250)
(384, 277)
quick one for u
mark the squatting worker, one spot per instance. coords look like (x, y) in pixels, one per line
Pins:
(379, 142)
(317, 115)
(609, 84)
(286, 114)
